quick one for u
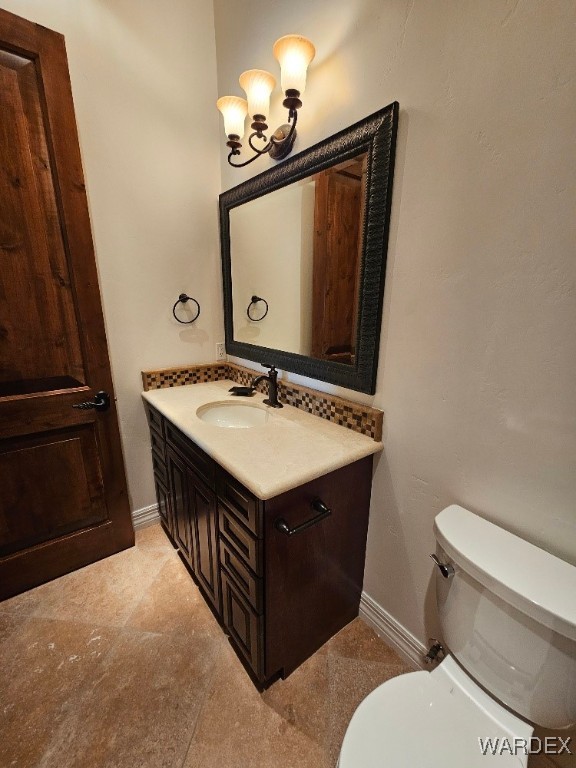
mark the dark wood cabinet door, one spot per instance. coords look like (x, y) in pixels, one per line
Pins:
(63, 502)
(203, 508)
(180, 505)
(237, 569)
(314, 577)
(163, 504)
(243, 624)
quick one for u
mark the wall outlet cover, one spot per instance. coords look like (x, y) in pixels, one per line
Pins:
(221, 351)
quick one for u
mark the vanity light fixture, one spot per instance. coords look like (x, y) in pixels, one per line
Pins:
(294, 53)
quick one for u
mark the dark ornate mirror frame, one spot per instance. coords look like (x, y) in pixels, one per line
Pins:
(375, 134)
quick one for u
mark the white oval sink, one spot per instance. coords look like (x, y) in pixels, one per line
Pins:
(235, 415)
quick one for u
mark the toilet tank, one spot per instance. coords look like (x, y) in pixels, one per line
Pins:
(508, 615)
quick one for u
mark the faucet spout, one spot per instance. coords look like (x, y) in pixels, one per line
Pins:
(272, 379)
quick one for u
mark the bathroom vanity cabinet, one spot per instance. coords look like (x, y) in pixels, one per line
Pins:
(281, 575)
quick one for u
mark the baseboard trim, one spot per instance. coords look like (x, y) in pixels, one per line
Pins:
(394, 633)
(142, 518)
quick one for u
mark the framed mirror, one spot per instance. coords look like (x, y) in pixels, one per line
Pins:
(304, 256)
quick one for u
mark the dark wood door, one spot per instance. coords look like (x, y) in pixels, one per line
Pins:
(204, 511)
(63, 498)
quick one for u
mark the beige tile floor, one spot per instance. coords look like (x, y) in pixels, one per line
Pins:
(121, 665)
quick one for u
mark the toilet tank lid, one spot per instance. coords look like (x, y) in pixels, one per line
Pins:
(534, 581)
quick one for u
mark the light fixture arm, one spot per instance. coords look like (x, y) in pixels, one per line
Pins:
(246, 162)
(266, 148)
(277, 147)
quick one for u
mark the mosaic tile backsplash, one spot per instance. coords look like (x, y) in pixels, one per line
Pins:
(191, 374)
(360, 418)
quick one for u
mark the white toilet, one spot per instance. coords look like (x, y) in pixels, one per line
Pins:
(508, 614)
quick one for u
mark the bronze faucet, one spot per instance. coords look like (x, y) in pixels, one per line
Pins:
(272, 379)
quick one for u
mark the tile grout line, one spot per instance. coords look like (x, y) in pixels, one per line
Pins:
(197, 720)
(206, 693)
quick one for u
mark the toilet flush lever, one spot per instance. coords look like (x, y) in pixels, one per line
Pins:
(446, 570)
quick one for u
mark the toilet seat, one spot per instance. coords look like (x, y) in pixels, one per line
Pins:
(431, 720)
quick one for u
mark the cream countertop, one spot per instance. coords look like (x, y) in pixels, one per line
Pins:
(291, 449)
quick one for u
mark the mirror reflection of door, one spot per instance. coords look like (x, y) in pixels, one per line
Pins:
(338, 218)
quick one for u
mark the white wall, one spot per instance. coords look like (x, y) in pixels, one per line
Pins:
(144, 84)
(478, 353)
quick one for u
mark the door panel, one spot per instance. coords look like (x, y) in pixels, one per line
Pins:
(35, 289)
(63, 500)
(50, 487)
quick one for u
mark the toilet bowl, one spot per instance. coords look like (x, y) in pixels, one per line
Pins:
(508, 613)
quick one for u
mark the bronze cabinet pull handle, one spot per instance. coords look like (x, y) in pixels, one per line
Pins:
(317, 504)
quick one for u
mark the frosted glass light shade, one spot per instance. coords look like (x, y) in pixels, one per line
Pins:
(234, 110)
(294, 53)
(258, 85)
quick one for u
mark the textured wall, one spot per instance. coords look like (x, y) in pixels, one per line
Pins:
(478, 353)
(144, 86)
